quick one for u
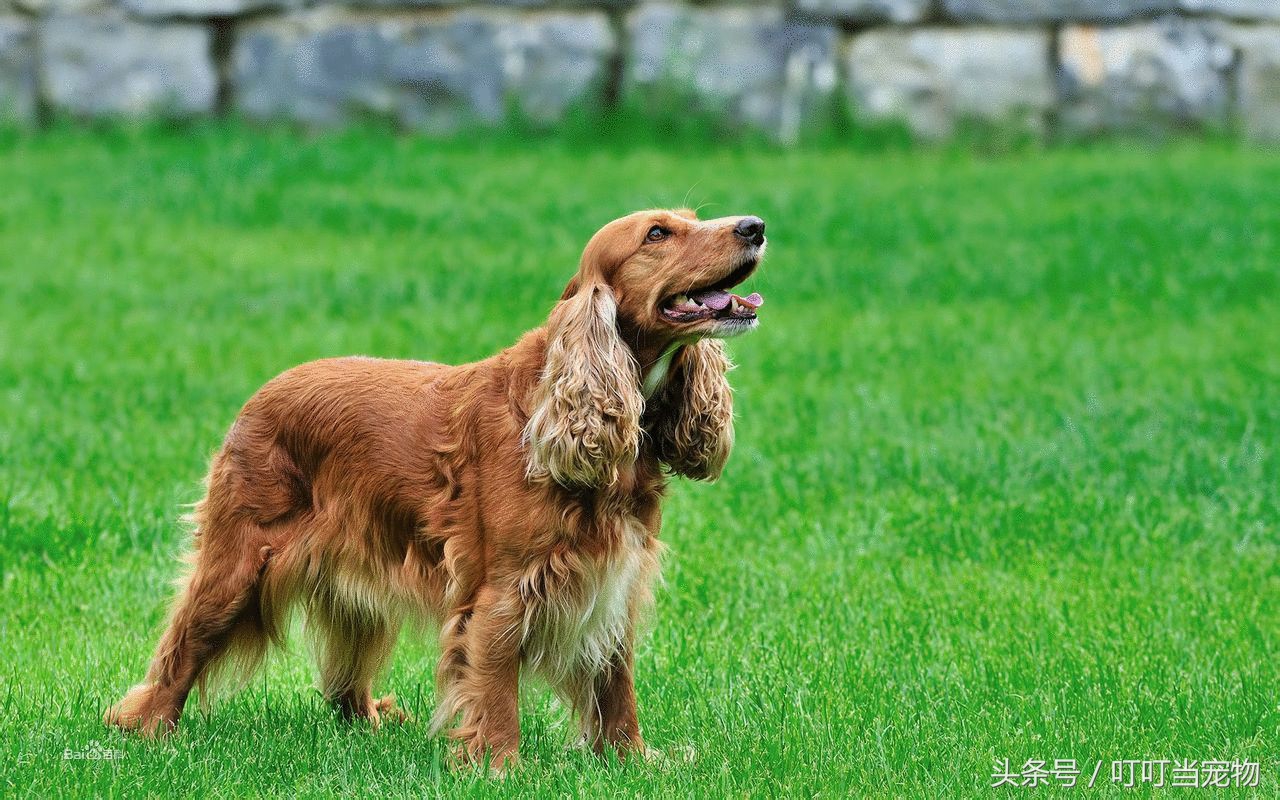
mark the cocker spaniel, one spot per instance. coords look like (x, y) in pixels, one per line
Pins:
(514, 501)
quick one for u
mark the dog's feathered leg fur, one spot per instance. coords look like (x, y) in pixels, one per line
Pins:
(217, 615)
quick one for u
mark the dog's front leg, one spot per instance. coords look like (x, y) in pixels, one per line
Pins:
(489, 681)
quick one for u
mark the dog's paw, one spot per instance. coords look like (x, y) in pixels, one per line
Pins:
(373, 711)
(475, 752)
(138, 712)
(386, 710)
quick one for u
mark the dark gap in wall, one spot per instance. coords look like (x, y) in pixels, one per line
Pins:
(1231, 77)
(848, 28)
(935, 13)
(222, 40)
(615, 69)
(41, 108)
(1052, 119)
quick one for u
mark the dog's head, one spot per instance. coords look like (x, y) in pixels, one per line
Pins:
(670, 275)
(653, 291)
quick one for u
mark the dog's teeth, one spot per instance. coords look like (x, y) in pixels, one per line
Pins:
(733, 306)
(680, 300)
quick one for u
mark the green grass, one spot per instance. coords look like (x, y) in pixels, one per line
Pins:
(1006, 483)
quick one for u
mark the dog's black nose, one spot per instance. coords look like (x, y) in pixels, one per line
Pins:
(751, 229)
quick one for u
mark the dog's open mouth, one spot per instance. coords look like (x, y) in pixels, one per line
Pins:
(715, 302)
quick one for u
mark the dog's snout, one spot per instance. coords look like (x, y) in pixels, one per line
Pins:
(751, 229)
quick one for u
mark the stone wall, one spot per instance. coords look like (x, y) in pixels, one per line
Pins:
(438, 65)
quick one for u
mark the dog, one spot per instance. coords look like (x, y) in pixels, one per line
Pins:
(515, 502)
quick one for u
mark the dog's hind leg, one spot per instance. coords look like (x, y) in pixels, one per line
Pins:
(353, 646)
(218, 606)
(234, 601)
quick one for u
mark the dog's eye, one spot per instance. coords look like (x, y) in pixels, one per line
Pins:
(657, 233)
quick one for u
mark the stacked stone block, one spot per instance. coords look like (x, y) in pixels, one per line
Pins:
(1046, 67)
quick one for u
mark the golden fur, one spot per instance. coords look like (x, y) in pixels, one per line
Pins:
(514, 501)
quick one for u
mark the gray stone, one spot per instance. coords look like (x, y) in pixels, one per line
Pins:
(199, 9)
(1144, 77)
(557, 59)
(496, 5)
(453, 72)
(46, 7)
(543, 64)
(751, 63)
(1236, 9)
(867, 11)
(1015, 11)
(105, 63)
(932, 78)
(436, 73)
(1257, 89)
(17, 68)
(493, 4)
(319, 67)
(395, 4)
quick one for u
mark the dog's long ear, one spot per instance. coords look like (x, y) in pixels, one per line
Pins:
(586, 408)
(695, 423)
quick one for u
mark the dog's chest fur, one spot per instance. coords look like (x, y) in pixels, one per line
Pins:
(579, 607)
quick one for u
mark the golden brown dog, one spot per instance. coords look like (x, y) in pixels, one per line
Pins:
(515, 501)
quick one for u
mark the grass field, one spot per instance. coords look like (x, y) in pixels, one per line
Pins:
(1006, 483)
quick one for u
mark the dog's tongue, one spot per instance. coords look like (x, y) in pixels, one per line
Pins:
(719, 299)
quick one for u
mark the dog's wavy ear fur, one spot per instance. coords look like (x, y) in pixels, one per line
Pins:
(585, 421)
(694, 426)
